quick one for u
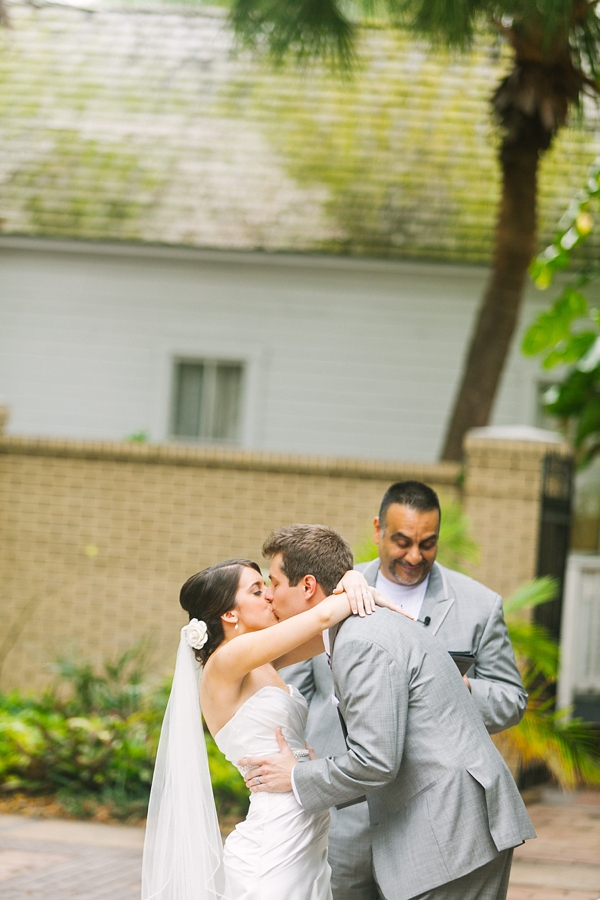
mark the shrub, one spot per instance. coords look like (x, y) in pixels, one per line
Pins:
(91, 741)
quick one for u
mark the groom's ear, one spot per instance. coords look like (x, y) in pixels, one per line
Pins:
(309, 587)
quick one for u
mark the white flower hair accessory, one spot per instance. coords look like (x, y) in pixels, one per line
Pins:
(196, 633)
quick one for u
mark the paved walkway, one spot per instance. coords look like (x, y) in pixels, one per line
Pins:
(564, 862)
(57, 859)
(53, 859)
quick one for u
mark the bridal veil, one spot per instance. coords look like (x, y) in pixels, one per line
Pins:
(183, 851)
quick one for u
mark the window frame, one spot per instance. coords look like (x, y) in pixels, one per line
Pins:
(253, 400)
(209, 389)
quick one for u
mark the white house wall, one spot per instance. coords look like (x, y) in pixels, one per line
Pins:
(343, 357)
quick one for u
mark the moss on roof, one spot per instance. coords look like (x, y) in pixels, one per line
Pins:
(143, 124)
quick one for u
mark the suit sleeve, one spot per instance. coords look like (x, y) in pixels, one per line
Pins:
(373, 694)
(301, 675)
(496, 686)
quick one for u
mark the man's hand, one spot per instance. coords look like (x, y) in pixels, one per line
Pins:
(273, 774)
(467, 682)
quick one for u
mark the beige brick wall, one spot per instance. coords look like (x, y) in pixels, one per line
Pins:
(501, 496)
(97, 538)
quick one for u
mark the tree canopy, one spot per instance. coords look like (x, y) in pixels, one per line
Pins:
(555, 59)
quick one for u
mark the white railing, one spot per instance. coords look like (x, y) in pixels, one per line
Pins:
(580, 636)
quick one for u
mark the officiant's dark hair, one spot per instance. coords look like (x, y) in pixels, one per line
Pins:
(211, 593)
(415, 494)
(311, 550)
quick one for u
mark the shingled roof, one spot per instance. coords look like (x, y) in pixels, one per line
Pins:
(144, 125)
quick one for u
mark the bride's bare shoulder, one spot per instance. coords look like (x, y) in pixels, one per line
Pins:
(219, 667)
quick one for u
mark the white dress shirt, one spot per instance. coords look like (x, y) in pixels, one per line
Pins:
(410, 597)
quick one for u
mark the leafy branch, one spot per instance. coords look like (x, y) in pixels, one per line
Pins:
(567, 333)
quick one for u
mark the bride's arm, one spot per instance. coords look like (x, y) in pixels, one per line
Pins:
(249, 651)
(315, 645)
(307, 650)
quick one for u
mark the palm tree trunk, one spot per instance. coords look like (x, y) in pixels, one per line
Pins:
(514, 245)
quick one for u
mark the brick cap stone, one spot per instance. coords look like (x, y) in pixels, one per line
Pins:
(229, 458)
(520, 438)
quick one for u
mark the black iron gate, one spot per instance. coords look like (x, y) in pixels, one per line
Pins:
(554, 534)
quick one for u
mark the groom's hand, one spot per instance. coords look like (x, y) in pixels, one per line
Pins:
(273, 773)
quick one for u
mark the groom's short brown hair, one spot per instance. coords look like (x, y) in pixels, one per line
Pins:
(311, 550)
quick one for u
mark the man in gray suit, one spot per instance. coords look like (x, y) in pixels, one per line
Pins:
(461, 613)
(444, 810)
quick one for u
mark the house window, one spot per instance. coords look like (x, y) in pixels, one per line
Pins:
(207, 400)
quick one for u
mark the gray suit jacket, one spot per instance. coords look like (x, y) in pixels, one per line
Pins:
(465, 615)
(441, 800)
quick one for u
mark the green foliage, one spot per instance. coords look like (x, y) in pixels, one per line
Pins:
(91, 741)
(567, 333)
(537, 652)
(568, 748)
(529, 595)
(366, 550)
(457, 549)
(138, 437)
(327, 29)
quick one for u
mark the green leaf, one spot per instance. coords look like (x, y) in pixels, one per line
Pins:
(589, 420)
(570, 350)
(553, 326)
(531, 594)
(532, 643)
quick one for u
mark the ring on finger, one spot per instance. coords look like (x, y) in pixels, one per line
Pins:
(257, 780)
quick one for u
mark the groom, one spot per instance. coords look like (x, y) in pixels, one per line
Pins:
(444, 810)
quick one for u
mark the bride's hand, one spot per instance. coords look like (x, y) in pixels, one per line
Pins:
(354, 585)
(381, 600)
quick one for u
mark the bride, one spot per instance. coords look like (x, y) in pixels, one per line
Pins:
(280, 850)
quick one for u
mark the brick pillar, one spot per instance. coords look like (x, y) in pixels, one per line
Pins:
(503, 499)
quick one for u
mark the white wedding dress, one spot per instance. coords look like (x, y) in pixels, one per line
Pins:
(279, 852)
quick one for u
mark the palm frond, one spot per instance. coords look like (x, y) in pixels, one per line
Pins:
(530, 594)
(535, 649)
(302, 28)
(327, 29)
(567, 748)
(451, 24)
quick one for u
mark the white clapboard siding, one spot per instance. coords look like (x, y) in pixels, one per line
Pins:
(580, 645)
(342, 357)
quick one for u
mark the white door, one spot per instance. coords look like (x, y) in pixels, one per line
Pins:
(580, 645)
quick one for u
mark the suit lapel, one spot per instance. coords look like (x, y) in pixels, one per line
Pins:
(437, 602)
(371, 571)
(332, 636)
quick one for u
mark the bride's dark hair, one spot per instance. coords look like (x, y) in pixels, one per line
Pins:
(209, 594)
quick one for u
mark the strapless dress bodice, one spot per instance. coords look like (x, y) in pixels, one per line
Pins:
(251, 730)
(279, 850)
